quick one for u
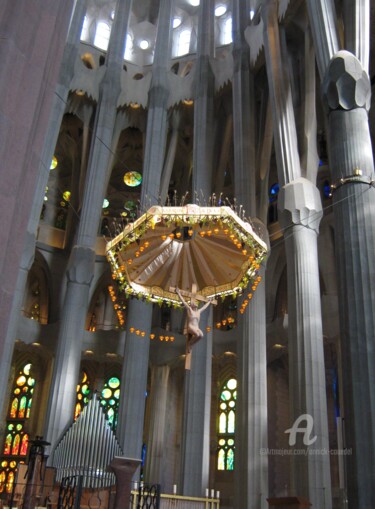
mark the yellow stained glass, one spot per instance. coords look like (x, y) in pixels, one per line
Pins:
(21, 380)
(221, 460)
(132, 178)
(222, 423)
(13, 409)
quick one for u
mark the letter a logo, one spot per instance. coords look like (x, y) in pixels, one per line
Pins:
(305, 430)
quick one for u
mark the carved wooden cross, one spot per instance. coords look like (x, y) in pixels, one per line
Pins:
(193, 296)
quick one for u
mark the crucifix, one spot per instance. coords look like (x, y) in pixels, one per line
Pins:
(194, 333)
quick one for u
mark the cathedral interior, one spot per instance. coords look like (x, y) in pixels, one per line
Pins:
(262, 106)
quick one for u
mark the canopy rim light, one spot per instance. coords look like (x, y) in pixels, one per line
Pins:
(169, 247)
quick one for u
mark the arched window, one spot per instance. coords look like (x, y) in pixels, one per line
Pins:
(83, 393)
(226, 425)
(227, 31)
(16, 438)
(183, 44)
(85, 29)
(110, 398)
(102, 35)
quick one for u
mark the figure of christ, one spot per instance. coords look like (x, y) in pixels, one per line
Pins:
(193, 316)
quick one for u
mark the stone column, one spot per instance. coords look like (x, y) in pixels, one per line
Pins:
(251, 468)
(136, 355)
(27, 39)
(251, 462)
(203, 106)
(197, 406)
(346, 93)
(155, 458)
(82, 259)
(300, 213)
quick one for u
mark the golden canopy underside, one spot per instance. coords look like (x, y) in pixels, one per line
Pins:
(180, 246)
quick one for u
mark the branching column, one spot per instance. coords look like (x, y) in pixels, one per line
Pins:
(300, 213)
(81, 264)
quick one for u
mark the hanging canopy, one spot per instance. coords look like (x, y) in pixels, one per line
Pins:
(168, 247)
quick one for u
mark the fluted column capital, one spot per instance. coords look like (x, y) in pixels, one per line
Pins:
(299, 203)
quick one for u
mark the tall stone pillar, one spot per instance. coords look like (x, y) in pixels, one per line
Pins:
(136, 355)
(251, 462)
(251, 470)
(27, 39)
(196, 415)
(300, 213)
(82, 259)
(346, 92)
(203, 106)
(156, 455)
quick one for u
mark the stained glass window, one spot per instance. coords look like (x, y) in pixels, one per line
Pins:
(16, 438)
(83, 393)
(109, 400)
(227, 424)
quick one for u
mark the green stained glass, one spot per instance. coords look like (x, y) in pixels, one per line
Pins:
(30, 382)
(226, 395)
(110, 400)
(22, 408)
(85, 389)
(226, 425)
(28, 410)
(110, 415)
(106, 393)
(114, 382)
(10, 427)
(230, 460)
(19, 427)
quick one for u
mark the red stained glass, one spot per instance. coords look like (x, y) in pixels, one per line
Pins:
(7, 445)
(16, 445)
(24, 444)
